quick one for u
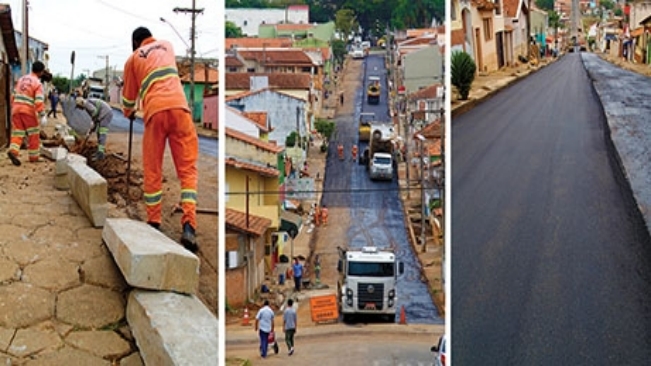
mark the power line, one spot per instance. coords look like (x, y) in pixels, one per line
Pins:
(139, 17)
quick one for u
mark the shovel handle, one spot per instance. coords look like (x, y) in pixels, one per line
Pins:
(132, 117)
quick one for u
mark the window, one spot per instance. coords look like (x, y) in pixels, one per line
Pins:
(453, 10)
(488, 29)
(250, 69)
(306, 69)
(498, 7)
(232, 69)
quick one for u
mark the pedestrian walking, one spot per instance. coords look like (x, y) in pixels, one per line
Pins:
(324, 215)
(101, 115)
(150, 74)
(317, 214)
(27, 102)
(54, 102)
(340, 151)
(297, 269)
(264, 325)
(289, 326)
(354, 152)
(341, 98)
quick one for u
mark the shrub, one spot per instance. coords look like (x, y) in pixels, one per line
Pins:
(463, 73)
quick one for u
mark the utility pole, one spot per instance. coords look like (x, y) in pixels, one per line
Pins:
(24, 68)
(193, 12)
(106, 77)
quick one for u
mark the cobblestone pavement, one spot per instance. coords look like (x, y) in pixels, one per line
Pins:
(62, 298)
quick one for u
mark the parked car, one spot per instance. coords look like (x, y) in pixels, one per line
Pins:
(440, 351)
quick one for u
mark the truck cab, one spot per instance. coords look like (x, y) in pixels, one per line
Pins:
(368, 282)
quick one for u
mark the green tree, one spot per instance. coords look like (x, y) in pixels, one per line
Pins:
(325, 128)
(61, 83)
(463, 73)
(345, 22)
(291, 139)
(607, 4)
(232, 30)
(619, 12)
(545, 4)
(339, 50)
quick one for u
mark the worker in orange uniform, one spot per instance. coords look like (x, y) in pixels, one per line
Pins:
(26, 103)
(317, 214)
(354, 150)
(340, 151)
(324, 215)
(150, 74)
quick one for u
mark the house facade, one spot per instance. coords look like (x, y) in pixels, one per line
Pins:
(9, 61)
(249, 19)
(285, 113)
(422, 68)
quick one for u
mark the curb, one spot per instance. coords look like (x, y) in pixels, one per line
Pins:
(465, 107)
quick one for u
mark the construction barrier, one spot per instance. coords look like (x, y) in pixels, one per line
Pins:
(324, 308)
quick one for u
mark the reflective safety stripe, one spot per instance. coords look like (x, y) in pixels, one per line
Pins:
(156, 75)
(152, 199)
(32, 130)
(33, 152)
(21, 98)
(15, 147)
(100, 148)
(19, 133)
(189, 196)
(127, 103)
(103, 130)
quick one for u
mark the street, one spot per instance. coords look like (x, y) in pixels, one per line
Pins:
(551, 260)
(376, 349)
(375, 209)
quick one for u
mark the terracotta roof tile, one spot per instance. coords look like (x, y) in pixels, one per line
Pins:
(249, 93)
(262, 170)
(252, 140)
(289, 26)
(413, 33)
(236, 220)
(241, 80)
(431, 131)
(257, 42)
(425, 93)
(291, 57)
(199, 74)
(232, 61)
(511, 7)
(260, 119)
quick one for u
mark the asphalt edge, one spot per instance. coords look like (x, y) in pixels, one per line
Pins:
(621, 174)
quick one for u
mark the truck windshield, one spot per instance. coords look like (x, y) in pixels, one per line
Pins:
(370, 269)
(382, 161)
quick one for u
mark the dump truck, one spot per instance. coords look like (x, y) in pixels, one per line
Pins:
(93, 88)
(367, 282)
(378, 155)
(365, 120)
(373, 90)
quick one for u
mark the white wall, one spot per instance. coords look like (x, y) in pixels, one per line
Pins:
(250, 19)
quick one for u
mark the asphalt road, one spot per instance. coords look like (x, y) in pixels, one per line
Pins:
(376, 212)
(550, 258)
(335, 350)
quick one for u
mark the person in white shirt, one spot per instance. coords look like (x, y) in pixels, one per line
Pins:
(264, 324)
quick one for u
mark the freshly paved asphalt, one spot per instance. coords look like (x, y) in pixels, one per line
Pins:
(551, 260)
(376, 212)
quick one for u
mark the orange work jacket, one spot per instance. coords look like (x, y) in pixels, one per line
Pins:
(150, 75)
(28, 96)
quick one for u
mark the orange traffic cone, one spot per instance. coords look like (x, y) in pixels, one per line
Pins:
(245, 318)
(403, 316)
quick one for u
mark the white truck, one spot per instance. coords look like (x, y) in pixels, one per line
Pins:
(378, 156)
(367, 282)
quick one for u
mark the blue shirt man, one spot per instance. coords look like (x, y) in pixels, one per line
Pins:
(297, 268)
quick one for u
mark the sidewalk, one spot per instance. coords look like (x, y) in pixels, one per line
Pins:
(62, 296)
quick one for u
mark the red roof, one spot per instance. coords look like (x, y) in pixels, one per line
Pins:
(200, 74)
(230, 132)
(254, 92)
(511, 8)
(236, 220)
(232, 61)
(425, 93)
(257, 42)
(241, 80)
(289, 26)
(260, 119)
(431, 131)
(264, 171)
(291, 57)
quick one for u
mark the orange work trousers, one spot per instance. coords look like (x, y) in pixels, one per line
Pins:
(25, 125)
(175, 127)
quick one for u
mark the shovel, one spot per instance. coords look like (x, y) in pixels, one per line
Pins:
(132, 117)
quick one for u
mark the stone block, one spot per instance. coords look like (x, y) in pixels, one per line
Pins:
(54, 153)
(90, 191)
(148, 259)
(61, 170)
(172, 329)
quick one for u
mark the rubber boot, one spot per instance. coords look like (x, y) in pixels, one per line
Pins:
(13, 158)
(189, 238)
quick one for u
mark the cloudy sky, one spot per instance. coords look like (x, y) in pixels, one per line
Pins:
(96, 28)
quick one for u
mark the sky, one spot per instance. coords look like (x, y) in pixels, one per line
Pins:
(97, 28)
